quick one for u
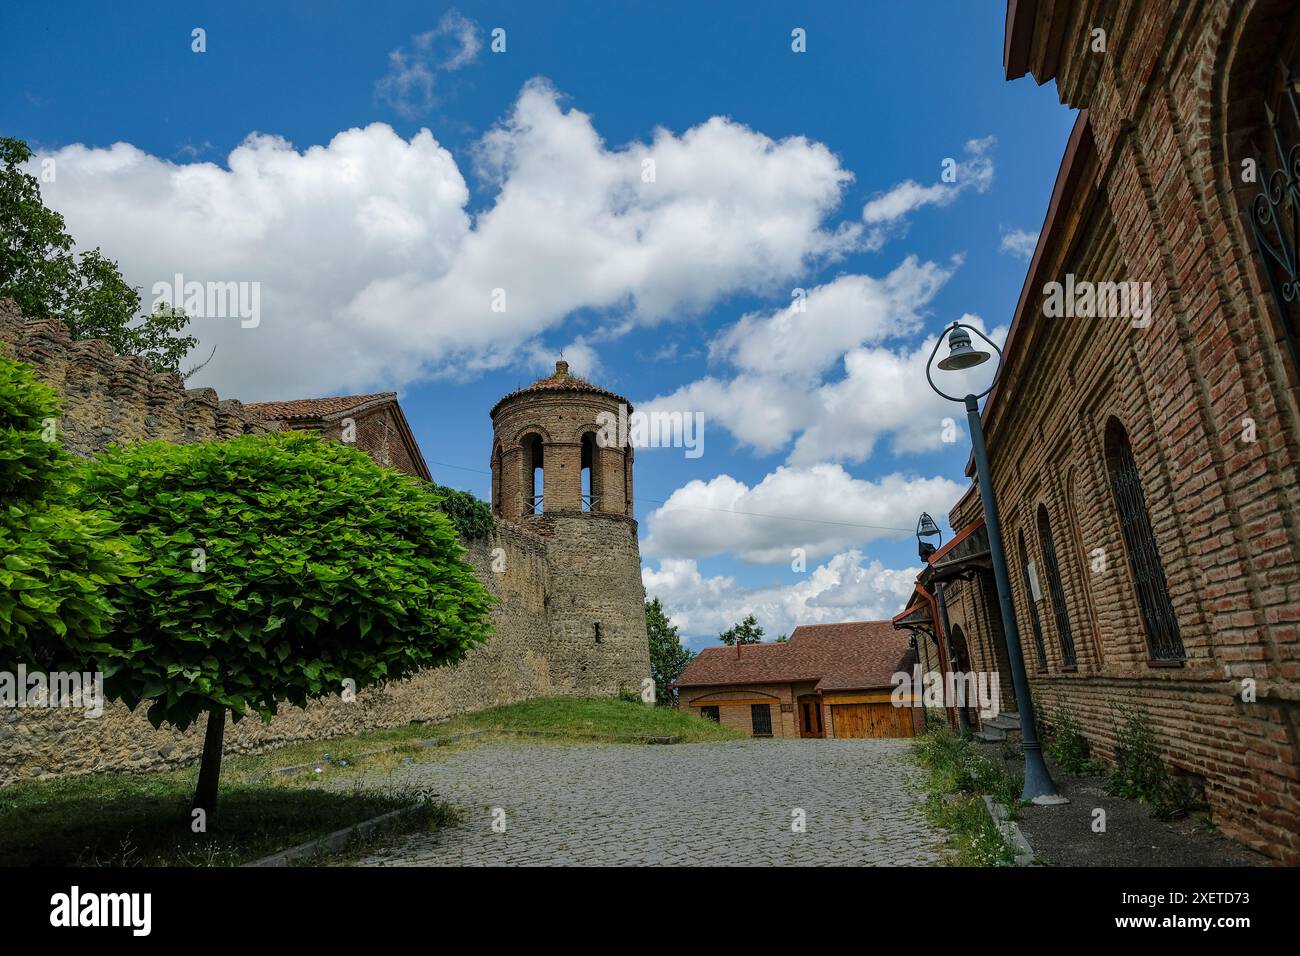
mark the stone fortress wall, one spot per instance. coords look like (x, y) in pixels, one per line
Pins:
(563, 574)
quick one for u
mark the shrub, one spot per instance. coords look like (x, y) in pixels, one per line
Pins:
(1068, 748)
(1139, 773)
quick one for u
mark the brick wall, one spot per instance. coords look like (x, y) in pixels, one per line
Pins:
(558, 578)
(1158, 201)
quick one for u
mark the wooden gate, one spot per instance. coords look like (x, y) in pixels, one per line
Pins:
(871, 720)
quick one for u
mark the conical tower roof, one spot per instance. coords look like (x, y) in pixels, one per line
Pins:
(562, 381)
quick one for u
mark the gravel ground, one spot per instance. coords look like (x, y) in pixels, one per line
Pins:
(1063, 835)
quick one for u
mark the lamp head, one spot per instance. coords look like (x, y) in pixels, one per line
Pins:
(960, 353)
(926, 528)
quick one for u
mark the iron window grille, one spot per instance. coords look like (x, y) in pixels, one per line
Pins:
(1033, 607)
(1055, 589)
(762, 717)
(1158, 617)
(1275, 211)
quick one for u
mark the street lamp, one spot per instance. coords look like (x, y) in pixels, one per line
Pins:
(926, 528)
(1039, 786)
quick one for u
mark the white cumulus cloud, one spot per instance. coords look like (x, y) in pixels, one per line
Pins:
(374, 274)
(886, 212)
(819, 509)
(1019, 243)
(848, 587)
(409, 85)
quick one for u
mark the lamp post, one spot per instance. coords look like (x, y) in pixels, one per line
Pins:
(926, 528)
(1039, 786)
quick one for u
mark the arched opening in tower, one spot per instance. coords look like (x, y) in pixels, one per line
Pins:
(534, 475)
(590, 473)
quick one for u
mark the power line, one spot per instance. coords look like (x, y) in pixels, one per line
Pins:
(729, 511)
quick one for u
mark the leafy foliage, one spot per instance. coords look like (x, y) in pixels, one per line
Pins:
(39, 270)
(1139, 773)
(747, 631)
(55, 560)
(1068, 747)
(472, 518)
(668, 658)
(278, 568)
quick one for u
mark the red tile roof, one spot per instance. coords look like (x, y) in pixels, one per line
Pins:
(313, 408)
(855, 655)
(561, 381)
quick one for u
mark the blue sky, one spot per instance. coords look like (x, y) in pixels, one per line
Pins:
(525, 170)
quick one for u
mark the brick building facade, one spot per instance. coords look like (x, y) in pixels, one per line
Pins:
(827, 680)
(1146, 465)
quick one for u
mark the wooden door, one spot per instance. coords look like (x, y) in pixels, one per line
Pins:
(810, 717)
(856, 721)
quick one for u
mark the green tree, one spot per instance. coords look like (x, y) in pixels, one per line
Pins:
(55, 560)
(281, 567)
(668, 658)
(747, 631)
(39, 271)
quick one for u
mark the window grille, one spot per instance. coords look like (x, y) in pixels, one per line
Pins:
(1055, 589)
(1143, 554)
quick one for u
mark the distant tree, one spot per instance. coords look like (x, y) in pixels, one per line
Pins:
(747, 631)
(668, 658)
(54, 559)
(39, 271)
(281, 567)
(783, 638)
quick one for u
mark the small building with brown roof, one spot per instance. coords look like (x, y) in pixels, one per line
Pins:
(373, 423)
(827, 680)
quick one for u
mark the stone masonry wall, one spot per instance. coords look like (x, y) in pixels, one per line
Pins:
(555, 581)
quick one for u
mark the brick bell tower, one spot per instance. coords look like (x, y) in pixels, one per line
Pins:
(558, 473)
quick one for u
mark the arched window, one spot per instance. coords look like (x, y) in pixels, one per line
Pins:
(1077, 549)
(534, 475)
(627, 480)
(1273, 101)
(496, 480)
(1055, 589)
(590, 473)
(1143, 553)
(1033, 604)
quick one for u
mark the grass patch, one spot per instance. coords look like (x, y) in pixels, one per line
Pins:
(592, 717)
(122, 819)
(958, 779)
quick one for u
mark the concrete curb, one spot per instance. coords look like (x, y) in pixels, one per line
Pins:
(1010, 831)
(332, 842)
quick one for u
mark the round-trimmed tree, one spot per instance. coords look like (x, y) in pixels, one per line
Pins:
(278, 568)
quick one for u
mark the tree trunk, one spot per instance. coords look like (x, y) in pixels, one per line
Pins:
(205, 794)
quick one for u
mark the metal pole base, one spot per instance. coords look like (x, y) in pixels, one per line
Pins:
(1039, 787)
(1049, 800)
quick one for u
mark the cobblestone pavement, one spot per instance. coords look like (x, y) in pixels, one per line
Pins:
(709, 803)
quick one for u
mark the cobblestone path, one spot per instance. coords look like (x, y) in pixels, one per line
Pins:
(709, 803)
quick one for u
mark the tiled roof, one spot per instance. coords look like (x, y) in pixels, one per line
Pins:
(562, 381)
(310, 408)
(850, 656)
